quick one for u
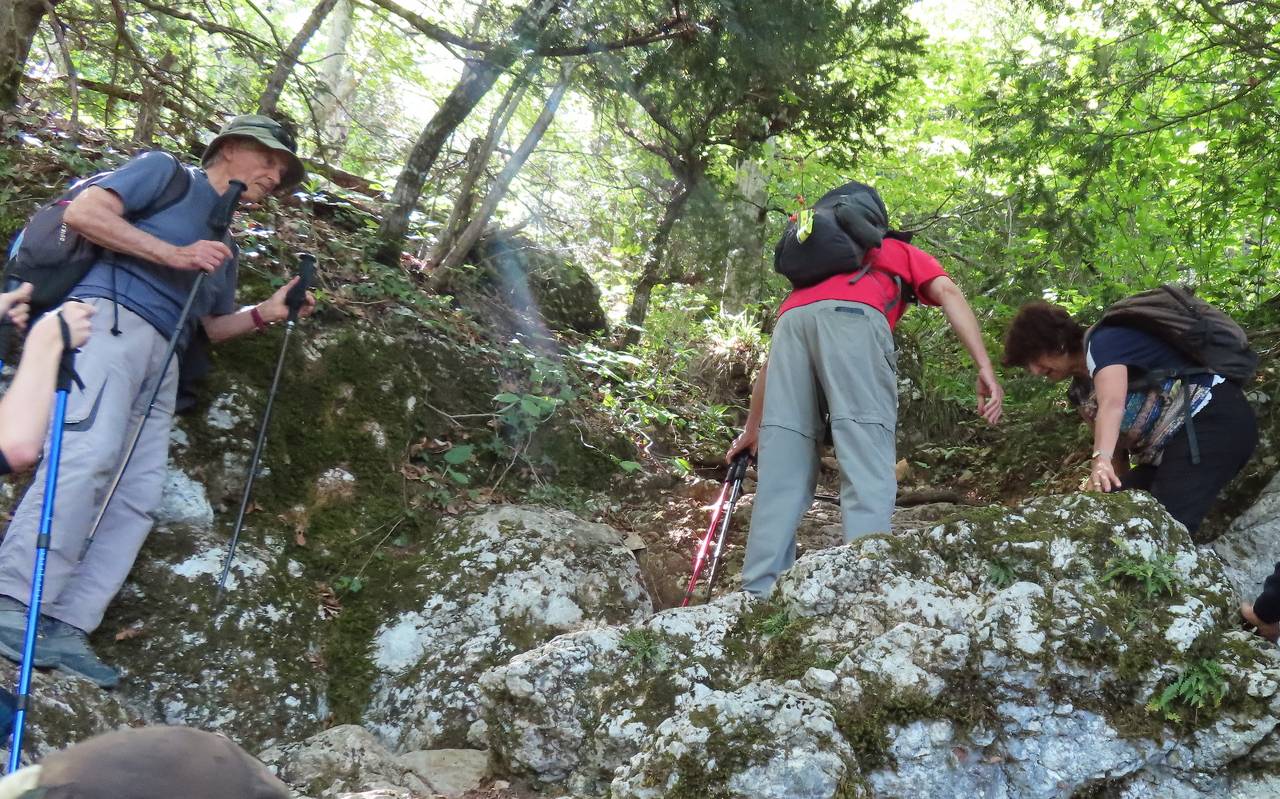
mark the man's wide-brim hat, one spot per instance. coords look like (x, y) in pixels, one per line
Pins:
(266, 131)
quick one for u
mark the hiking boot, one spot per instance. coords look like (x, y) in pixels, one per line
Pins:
(69, 649)
(13, 634)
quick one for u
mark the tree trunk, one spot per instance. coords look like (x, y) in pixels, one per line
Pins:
(19, 20)
(746, 226)
(284, 67)
(477, 78)
(471, 235)
(337, 85)
(151, 106)
(651, 275)
(477, 160)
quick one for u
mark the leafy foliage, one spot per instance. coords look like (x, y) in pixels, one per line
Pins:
(1202, 685)
(1154, 577)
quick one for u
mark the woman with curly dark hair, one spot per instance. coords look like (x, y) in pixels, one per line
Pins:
(1119, 384)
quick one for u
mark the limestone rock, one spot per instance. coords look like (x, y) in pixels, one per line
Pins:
(340, 760)
(65, 709)
(1248, 548)
(995, 652)
(760, 742)
(449, 772)
(244, 666)
(508, 579)
(184, 503)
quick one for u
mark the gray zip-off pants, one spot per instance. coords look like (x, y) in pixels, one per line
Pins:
(119, 374)
(838, 357)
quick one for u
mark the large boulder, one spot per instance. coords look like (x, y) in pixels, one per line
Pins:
(348, 758)
(1251, 545)
(63, 710)
(502, 582)
(541, 285)
(1072, 644)
(244, 664)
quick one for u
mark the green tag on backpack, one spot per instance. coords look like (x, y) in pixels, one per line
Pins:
(804, 224)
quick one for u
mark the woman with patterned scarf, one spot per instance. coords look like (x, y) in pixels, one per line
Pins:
(1138, 414)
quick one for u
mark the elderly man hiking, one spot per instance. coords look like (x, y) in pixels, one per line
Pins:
(152, 252)
(832, 354)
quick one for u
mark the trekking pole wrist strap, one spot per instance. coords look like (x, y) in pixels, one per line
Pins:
(259, 323)
(67, 364)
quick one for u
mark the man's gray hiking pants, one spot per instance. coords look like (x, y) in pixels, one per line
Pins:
(833, 357)
(119, 374)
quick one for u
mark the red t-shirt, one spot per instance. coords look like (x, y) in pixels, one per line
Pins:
(877, 289)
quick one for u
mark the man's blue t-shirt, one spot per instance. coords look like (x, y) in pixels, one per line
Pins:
(155, 292)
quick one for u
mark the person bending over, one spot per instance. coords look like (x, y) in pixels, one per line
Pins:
(1134, 420)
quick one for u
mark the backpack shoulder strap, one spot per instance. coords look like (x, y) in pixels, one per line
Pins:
(173, 192)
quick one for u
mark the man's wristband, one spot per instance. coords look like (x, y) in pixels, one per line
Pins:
(1097, 453)
(259, 323)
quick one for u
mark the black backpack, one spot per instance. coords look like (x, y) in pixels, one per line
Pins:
(54, 258)
(1204, 334)
(846, 222)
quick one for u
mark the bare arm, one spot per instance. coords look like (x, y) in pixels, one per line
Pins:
(25, 407)
(98, 215)
(272, 310)
(943, 291)
(1111, 384)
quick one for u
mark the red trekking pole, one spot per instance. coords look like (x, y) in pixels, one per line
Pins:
(718, 529)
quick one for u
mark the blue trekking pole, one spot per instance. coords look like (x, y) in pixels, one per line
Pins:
(66, 376)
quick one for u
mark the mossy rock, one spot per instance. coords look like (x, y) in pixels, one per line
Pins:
(1081, 637)
(495, 584)
(540, 284)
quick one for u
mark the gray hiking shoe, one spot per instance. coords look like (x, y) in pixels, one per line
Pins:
(13, 634)
(69, 649)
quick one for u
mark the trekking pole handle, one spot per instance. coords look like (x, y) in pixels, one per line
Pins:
(67, 364)
(297, 296)
(738, 467)
(220, 219)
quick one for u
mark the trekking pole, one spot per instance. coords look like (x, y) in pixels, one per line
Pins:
(700, 558)
(737, 471)
(66, 376)
(219, 221)
(295, 299)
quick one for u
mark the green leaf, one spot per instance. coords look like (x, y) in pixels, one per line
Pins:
(459, 454)
(629, 466)
(458, 477)
(507, 398)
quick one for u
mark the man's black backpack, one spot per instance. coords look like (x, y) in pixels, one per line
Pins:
(846, 222)
(54, 258)
(1205, 335)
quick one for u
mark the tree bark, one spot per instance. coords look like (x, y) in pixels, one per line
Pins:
(284, 67)
(746, 227)
(477, 79)
(337, 85)
(651, 275)
(477, 159)
(19, 20)
(472, 233)
(151, 105)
